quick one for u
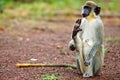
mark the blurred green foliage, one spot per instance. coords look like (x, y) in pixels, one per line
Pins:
(39, 8)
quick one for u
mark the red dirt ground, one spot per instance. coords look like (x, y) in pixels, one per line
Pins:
(47, 42)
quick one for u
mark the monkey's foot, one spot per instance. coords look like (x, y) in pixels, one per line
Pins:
(86, 75)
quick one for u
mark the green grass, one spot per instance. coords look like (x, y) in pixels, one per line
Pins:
(106, 49)
(110, 38)
(49, 77)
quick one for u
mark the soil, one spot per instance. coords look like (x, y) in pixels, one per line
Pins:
(47, 42)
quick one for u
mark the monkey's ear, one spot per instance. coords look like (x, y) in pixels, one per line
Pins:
(97, 10)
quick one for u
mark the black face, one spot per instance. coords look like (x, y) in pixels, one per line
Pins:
(86, 11)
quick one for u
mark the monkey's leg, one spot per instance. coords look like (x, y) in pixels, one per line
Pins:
(80, 58)
(96, 64)
(89, 70)
(79, 65)
(94, 67)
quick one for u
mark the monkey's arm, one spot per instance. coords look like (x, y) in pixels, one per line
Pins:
(92, 53)
(45, 65)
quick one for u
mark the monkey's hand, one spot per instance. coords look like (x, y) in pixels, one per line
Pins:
(76, 28)
(87, 62)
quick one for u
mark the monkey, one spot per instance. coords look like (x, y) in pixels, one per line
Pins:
(88, 40)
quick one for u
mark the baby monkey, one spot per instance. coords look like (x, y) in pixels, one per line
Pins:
(76, 28)
(75, 31)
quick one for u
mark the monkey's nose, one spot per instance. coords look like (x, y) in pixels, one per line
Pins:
(84, 15)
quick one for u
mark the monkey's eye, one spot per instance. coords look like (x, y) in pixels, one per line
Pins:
(87, 7)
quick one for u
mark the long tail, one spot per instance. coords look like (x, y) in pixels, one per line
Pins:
(45, 65)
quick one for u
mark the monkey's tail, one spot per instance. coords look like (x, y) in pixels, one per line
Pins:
(45, 65)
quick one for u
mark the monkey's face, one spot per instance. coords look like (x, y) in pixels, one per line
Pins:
(87, 9)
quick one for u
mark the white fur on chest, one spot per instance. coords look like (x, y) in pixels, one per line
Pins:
(89, 35)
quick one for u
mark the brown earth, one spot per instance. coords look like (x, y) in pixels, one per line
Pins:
(47, 42)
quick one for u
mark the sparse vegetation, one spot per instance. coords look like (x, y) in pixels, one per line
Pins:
(50, 77)
(106, 49)
(115, 38)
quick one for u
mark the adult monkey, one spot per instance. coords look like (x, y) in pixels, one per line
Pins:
(88, 40)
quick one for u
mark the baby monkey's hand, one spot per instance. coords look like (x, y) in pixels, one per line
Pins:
(76, 28)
